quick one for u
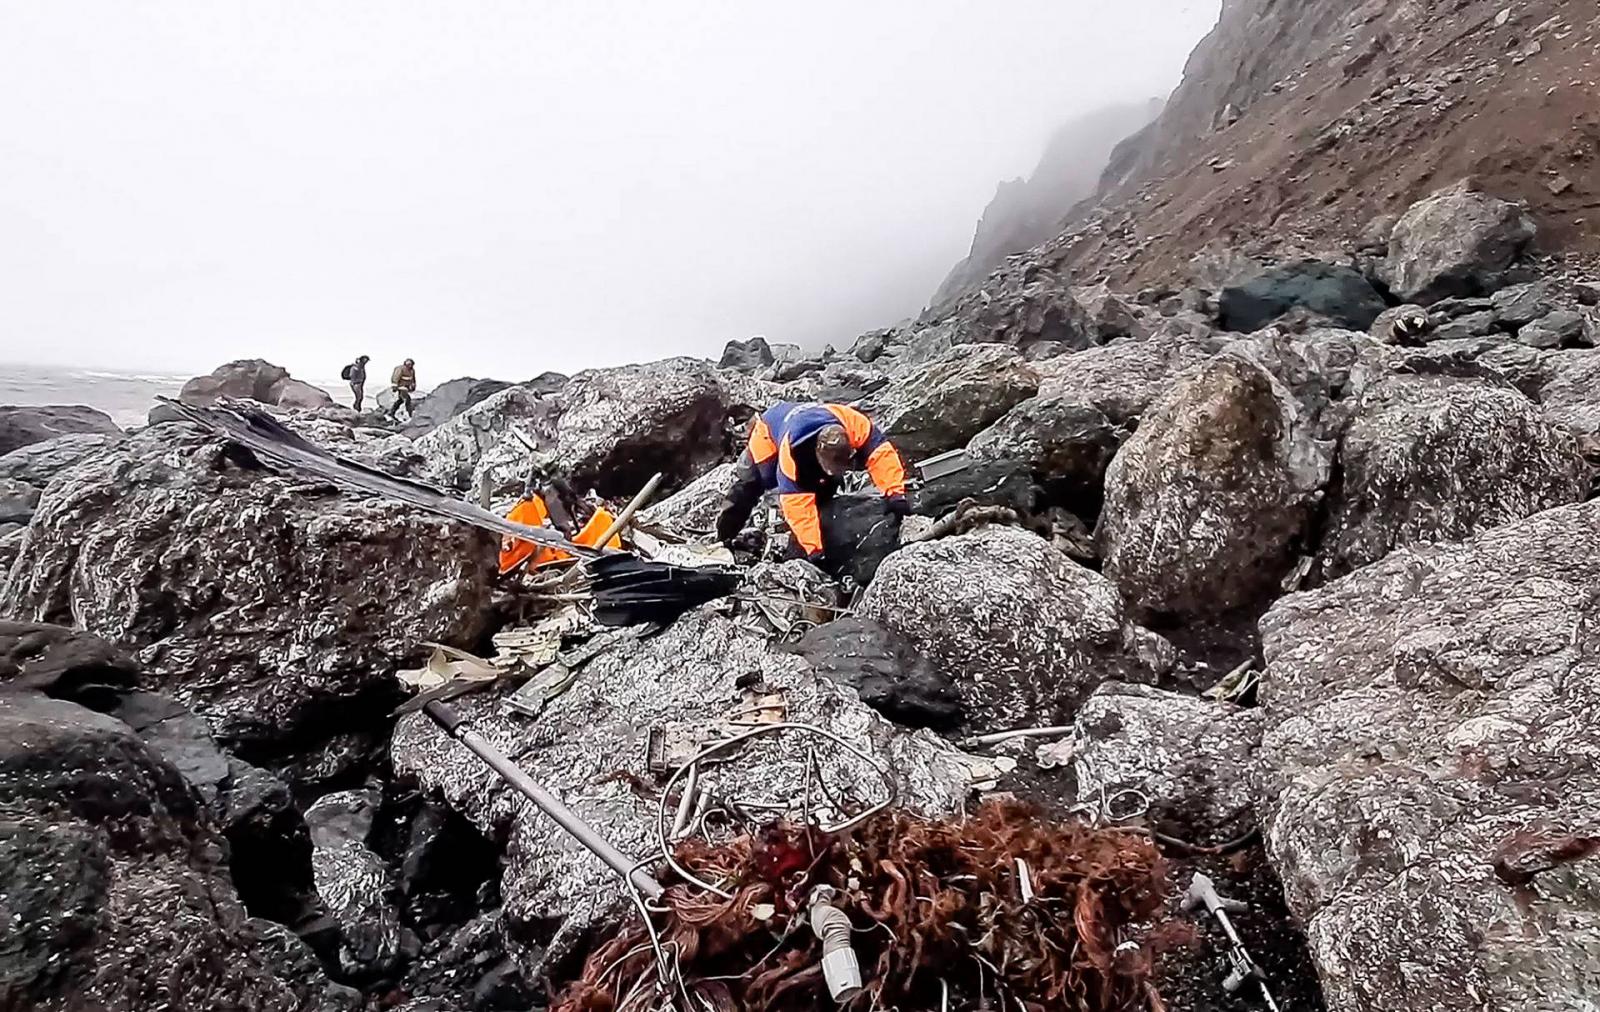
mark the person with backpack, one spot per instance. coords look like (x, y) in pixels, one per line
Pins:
(403, 383)
(356, 374)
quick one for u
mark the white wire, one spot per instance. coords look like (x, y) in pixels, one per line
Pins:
(765, 729)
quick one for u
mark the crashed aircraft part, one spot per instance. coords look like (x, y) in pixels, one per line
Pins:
(278, 446)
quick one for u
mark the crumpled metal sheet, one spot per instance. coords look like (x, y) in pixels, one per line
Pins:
(591, 741)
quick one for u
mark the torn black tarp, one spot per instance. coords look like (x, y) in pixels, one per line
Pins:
(282, 448)
(628, 590)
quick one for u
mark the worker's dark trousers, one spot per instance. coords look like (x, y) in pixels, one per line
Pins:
(402, 398)
(359, 389)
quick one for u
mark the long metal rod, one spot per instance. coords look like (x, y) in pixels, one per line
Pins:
(629, 510)
(455, 725)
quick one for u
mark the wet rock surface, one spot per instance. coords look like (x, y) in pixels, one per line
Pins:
(555, 891)
(946, 402)
(1024, 632)
(27, 426)
(263, 604)
(449, 399)
(1339, 294)
(1420, 713)
(39, 462)
(1437, 458)
(1209, 501)
(1458, 241)
(257, 380)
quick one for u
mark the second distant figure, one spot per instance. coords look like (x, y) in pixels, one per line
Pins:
(356, 374)
(403, 384)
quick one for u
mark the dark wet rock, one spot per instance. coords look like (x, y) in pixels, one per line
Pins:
(555, 891)
(469, 968)
(1208, 502)
(29, 424)
(257, 380)
(1191, 758)
(870, 347)
(1065, 446)
(1570, 394)
(37, 463)
(449, 399)
(262, 604)
(297, 963)
(173, 732)
(1521, 366)
(11, 536)
(1427, 771)
(619, 426)
(1340, 294)
(353, 881)
(844, 381)
(1435, 458)
(748, 355)
(858, 534)
(946, 402)
(1025, 632)
(1021, 304)
(1456, 242)
(884, 672)
(1121, 379)
(63, 662)
(1520, 305)
(986, 481)
(112, 878)
(1561, 329)
(1470, 325)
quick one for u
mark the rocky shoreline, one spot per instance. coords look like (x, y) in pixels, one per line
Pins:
(209, 802)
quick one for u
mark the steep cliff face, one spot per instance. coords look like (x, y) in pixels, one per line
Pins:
(1295, 120)
(1026, 212)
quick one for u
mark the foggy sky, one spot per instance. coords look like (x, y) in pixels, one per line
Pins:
(504, 188)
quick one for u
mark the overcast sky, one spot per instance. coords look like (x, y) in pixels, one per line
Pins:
(504, 188)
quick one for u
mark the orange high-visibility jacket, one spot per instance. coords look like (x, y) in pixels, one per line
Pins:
(533, 512)
(787, 425)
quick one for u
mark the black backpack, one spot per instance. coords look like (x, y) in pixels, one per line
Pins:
(344, 374)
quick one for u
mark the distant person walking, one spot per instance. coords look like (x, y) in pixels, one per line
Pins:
(356, 373)
(403, 383)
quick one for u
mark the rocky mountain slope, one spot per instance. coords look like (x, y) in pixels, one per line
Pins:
(1337, 474)
(1026, 212)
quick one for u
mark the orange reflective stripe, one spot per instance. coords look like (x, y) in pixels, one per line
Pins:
(762, 448)
(786, 461)
(800, 512)
(857, 427)
(886, 470)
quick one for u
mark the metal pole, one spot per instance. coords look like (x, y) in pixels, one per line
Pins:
(629, 510)
(455, 725)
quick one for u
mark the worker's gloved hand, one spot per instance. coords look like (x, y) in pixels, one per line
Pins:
(728, 524)
(899, 505)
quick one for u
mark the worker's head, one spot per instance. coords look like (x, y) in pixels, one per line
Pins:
(409, 363)
(834, 451)
(364, 359)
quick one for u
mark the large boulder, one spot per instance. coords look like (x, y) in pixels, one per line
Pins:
(493, 437)
(249, 378)
(37, 463)
(1022, 304)
(1191, 759)
(1208, 501)
(1123, 378)
(1570, 391)
(1025, 633)
(1428, 779)
(590, 743)
(114, 893)
(449, 399)
(622, 425)
(946, 402)
(1341, 294)
(297, 394)
(692, 511)
(1110, 315)
(1061, 443)
(888, 676)
(1456, 242)
(1437, 458)
(258, 602)
(747, 356)
(30, 424)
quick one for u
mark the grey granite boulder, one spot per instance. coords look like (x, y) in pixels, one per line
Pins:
(1457, 241)
(26, 425)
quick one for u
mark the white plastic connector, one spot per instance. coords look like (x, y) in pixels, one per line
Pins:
(839, 965)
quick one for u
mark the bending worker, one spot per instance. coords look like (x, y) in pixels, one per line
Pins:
(801, 450)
